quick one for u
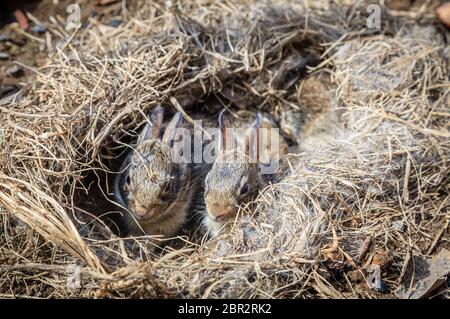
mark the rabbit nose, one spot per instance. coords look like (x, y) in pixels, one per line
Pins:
(148, 212)
(222, 213)
(139, 210)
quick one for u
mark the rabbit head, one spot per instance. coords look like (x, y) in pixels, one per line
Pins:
(233, 179)
(153, 180)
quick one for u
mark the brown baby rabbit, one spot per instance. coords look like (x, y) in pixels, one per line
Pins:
(236, 175)
(157, 191)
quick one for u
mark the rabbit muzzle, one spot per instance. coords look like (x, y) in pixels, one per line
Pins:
(220, 213)
(146, 213)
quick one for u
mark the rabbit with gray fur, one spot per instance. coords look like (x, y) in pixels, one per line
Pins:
(157, 191)
(234, 178)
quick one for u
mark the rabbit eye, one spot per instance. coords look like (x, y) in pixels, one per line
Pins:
(245, 190)
(126, 184)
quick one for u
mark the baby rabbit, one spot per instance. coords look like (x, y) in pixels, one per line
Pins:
(157, 191)
(232, 182)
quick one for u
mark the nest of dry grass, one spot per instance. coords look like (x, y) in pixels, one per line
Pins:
(376, 194)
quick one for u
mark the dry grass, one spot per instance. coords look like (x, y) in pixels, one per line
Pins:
(375, 195)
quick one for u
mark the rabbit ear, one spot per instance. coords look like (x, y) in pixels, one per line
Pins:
(252, 140)
(146, 133)
(223, 132)
(171, 129)
(157, 121)
(154, 129)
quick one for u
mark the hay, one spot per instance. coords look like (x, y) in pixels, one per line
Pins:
(382, 179)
